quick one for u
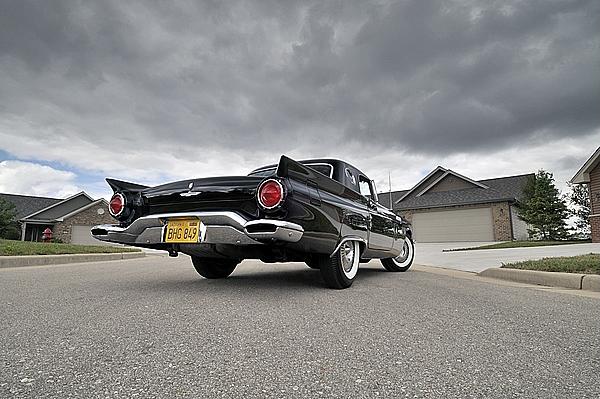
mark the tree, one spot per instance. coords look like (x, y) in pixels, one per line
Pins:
(8, 224)
(543, 209)
(579, 197)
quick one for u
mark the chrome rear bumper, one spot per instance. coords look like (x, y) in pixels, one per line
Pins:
(215, 228)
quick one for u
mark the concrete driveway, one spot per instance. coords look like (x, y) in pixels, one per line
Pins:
(431, 254)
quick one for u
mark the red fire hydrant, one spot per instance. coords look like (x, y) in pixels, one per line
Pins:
(47, 235)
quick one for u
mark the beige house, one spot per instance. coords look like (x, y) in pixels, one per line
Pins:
(590, 174)
(70, 219)
(446, 206)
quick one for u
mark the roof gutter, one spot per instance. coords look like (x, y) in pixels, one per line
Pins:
(511, 200)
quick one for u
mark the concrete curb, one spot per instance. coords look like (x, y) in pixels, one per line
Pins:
(41, 260)
(591, 283)
(575, 281)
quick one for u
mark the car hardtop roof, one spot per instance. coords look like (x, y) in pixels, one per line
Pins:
(336, 163)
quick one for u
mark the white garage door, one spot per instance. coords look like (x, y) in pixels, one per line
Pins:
(81, 235)
(457, 225)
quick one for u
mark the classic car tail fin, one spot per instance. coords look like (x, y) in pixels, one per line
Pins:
(119, 185)
(287, 167)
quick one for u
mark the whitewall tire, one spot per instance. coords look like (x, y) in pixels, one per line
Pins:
(339, 270)
(402, 262)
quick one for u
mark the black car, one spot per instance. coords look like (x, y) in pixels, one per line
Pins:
(322, 211)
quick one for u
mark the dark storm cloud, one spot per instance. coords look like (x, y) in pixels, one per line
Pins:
(463, 78)
(434, 77)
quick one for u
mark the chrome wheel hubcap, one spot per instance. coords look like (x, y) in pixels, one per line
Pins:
(404, 254)
(347, 256)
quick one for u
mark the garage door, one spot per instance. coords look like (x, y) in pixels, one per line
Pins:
(81, 235)
(456, 225)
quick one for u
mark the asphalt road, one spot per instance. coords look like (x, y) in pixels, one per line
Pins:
(153, 328)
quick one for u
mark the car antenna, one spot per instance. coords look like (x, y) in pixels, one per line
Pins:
(390, 184)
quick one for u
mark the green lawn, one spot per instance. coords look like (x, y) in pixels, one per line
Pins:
(521, 244)
(589, 264)
(11, 247)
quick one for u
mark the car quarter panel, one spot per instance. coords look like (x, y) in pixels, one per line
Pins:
(340, 212)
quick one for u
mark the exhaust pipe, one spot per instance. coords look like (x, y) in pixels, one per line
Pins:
(273, 230)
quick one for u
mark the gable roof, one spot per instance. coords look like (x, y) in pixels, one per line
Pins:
(83, 208)
(583, 174)
(509, 188)
(384, 197)
(447, 173)
(60, 208)
(420, 183)
(27, 204)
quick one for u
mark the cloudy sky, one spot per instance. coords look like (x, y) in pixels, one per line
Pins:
(162, 90)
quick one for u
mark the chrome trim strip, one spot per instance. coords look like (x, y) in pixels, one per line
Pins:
(274, 168)
(321, 164)
(219, 228)
(343, 240)
(190, 193)
(239, 220)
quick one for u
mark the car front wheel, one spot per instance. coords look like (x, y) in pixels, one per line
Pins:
(213, 267)
(339, 271)
(402, 262)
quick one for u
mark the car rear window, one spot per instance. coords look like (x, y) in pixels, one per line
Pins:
(263, 173)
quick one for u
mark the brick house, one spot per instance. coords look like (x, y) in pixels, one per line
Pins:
(446, 206)
(70, 219)
(590, 174)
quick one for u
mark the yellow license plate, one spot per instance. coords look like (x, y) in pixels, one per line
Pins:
(182, 230)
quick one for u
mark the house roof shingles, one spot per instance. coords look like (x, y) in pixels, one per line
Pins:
(26, 205)
(384, 198)
(508, 188)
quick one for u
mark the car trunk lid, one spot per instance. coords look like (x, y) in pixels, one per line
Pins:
(235, 192)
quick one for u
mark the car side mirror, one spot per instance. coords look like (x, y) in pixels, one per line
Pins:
(371, 204)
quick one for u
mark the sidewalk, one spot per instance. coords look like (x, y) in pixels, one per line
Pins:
(430, 254)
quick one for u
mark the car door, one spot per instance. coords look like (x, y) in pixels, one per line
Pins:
(381, 226)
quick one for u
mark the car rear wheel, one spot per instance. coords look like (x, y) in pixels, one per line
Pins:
(339, 271)
(213, 267)
(402, 262)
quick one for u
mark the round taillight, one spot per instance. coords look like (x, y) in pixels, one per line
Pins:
(270, 194)
(116, 206)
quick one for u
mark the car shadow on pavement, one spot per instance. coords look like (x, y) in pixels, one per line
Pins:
(254, 280)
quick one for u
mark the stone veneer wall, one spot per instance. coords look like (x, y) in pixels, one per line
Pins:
(595, 203)
(500, 217)
(62, 230)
